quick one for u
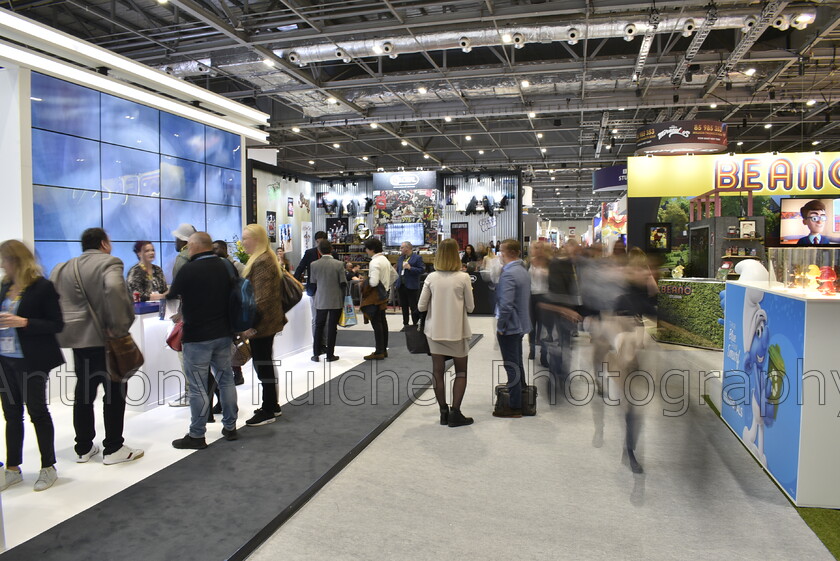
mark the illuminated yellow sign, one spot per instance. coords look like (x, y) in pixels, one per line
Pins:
(806, 173)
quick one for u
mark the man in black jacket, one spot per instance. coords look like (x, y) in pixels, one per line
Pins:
(309, 256)
(204, 285)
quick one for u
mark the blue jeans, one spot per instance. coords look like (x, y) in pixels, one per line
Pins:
(198, 358)
(511, 347)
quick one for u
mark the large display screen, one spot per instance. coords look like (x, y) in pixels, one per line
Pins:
(64, 161)
(396, 234)
(60, 106)
(810, 222)
(130, 124)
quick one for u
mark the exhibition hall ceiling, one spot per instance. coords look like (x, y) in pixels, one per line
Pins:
(555, 88)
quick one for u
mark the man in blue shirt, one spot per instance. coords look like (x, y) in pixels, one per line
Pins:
(513, 296)
(409, 268)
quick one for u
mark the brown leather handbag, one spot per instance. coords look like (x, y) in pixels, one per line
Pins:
(122, 356)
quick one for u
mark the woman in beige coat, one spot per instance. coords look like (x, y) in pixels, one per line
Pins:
(446, 298)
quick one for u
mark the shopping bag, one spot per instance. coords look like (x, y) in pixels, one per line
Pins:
(348, 313)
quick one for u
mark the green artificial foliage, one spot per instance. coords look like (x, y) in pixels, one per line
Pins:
(691, 320)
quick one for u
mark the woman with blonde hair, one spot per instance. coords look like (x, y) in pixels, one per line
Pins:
(265, 274)
(446, 298)
(30, 318)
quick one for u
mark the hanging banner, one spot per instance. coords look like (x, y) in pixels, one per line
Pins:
(681, 137)
(806, 173)
(613, 178)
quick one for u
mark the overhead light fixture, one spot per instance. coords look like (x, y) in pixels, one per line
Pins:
(525, 84)
(421, 90)
(481, 152)
(266, 61)
(768, 125)
(468, 137)
(553, 178)
(816, 142)
(739, 143)
(772, 94)
(404, 143)
(507, 38)
(713, 106)
(331, 100)
(621, 108)
(448, 119)
(543, 150)
(374, 125)
(311, 162)
(676, 98)
(532, 115)
(539, 135)
(162, 1)
(365, 158)
(615, 131)
(811, 102)
(377, 49)
(749, 71)
(426, 156)
(336, 145)
(295, 129)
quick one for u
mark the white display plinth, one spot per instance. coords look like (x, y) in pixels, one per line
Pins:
(781, 390)
(297, 335)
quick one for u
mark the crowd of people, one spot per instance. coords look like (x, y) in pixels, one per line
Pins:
(88, 300)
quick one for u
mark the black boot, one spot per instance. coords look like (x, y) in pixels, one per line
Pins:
(444, 415)
(457, 419)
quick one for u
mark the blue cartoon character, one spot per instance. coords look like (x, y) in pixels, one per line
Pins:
(764, 367)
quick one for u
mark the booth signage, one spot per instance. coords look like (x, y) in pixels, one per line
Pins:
(806, 173)
(405, 180)
(613, 178)
(681, 137)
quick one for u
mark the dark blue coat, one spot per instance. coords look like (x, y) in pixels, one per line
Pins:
(411, 277)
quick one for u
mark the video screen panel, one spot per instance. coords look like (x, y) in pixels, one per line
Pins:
(166, 259)
(224, 186)
(63, 214)
(64, 161)
(224, 222)
(819, 226)
(174, 213)
(181, 179)
(181, 138)
(125, 251)
(133, 172)
(60, 106)
(130, 124)
(128, 218)
(50, 254)
(222, 148)
(396, 234)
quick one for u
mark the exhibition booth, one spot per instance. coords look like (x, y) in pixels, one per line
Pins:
(760, 284)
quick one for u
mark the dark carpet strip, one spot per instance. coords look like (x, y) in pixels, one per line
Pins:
(223, 502)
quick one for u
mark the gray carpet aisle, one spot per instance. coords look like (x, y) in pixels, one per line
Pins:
(221, 502)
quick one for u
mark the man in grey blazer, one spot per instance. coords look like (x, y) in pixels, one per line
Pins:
(327, 277)
(101, 276)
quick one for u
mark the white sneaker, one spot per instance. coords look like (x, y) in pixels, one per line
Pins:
(12, 478)
(181, 401)
(46, 479)
(124, 454)
(84, 458)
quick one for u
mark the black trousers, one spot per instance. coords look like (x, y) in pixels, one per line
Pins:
(379, 322)
(262, 356)
(90, 372)
(325, 320)
(18, 387)
(408, 301)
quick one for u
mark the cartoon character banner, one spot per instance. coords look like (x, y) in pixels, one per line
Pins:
(764, 346)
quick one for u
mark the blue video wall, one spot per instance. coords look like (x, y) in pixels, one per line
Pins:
(137, 172)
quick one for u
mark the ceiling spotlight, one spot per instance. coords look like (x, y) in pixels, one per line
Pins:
(772, 94)
(331, 100)
(404, 143)
(421, 90)
(739, 143)
(553, 178)
(448, 119)
(531, 115)
(468, 137)
(481, 152)
(507, 38)
(713, 106)
(768, 125)
(816, 142)
(426, 156)
(749, 71)
(525, 84)
(377, 49)
(336, 145)
(443, 167)
(311, 162)
(615, 131)
(268, 62)
(676, 98)
(295, 129)
(374, 125)
(811, 102)
(728, 85)
(621, 108)
(543, 150)
(539, 135)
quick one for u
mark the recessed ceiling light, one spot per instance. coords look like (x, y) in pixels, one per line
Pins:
(336, 145)
(468, 137)
(740, 143)
(811, 102)
(426, 156)
(374, 125)
(331, 100)
(404, 143)
(365, 158)
(768, 125)
(531, 115)
(507, 38)
(525, 83)
(543, 150)
(421, 90)
(749, 71)
(481, 151)
(539, 135)
(311, 162)
(295, 129)
(713, 106)
(448, 119)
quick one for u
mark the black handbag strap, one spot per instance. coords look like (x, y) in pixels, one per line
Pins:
(85, 296)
